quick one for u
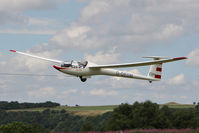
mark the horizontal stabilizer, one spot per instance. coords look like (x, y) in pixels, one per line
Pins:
(155, 57)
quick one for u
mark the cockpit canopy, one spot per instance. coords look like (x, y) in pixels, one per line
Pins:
(75, 64)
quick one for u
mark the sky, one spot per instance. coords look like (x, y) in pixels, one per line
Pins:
(103, 32)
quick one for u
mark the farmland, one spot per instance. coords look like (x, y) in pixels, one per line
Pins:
(94, 110)
(177, 105)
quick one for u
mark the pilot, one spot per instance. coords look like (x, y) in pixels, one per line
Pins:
(80, 65)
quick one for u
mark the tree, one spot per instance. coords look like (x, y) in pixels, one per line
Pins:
(63, 111)
(144, 115)
(185, 118)
(19, 127)
(164, 118)
(119, 119)
(124, 109)
(197, 110)
(118, 122)
(86, 127)
(138, 115)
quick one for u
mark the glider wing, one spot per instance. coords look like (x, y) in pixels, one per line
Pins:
(136, 64)
(38, 57)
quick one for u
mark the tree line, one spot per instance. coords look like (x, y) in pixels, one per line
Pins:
(148, 115)
(143, 115)
(4, 105)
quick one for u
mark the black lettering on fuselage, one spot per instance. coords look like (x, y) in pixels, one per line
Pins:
(123, 74)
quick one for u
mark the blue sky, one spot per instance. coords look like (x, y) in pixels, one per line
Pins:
(105, 31)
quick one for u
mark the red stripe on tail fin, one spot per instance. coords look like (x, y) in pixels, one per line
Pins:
(158, 76)
(159, 69)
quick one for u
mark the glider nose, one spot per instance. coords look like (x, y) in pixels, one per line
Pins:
(56, 67)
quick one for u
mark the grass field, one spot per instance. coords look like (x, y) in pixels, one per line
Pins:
(96, 110)
(79, 110)
(179, 105)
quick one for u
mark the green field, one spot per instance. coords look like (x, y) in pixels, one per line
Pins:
(79, 110)
(179, 105)
(96, 110)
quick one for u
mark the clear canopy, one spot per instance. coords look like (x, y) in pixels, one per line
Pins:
(75, 64)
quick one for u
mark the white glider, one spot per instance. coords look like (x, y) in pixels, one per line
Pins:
(86, 69)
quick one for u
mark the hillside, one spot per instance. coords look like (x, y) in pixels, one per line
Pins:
(76, 110)
(95, 110)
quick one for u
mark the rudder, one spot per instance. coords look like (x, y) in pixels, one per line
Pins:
(155, 71)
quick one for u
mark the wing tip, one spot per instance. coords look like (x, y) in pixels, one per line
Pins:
(13, 51)
(180, 58)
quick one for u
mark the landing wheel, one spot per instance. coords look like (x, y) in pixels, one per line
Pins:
(83, 79)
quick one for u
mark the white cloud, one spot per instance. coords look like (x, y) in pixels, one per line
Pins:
(103, 58)
(26, 31)
(20, 5)
(183, 97)
(103, 93)
(2, 63)
(169, 31)
(11, 10)
(41, 21)
(50, 92)
(195, 83)
(70, 91)
(76, 32)
(147, 96)
(1, 55)
(127, 25)
(160, 96)
(94, 9)
(177, 80)
(3, 85)
(42, 92)
(193, 58)
(75, 37)
(11, 17)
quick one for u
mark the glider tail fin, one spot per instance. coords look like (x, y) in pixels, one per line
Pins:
(155, 70)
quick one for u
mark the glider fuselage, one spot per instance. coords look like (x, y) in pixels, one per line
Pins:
(88, 72)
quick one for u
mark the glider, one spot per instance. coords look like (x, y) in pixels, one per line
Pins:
(86, 69)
